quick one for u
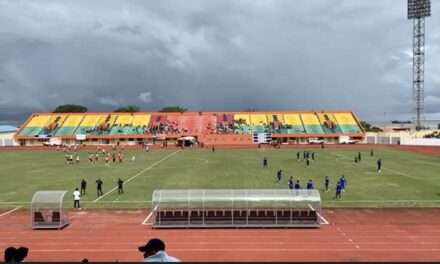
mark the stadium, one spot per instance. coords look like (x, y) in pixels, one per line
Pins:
(297, 184)
(207, 128)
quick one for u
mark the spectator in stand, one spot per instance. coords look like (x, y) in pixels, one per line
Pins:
(154, 251)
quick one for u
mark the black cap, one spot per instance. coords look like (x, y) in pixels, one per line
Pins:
(154, 244)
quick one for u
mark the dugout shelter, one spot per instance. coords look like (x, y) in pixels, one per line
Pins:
(47, 211)
(236, 208)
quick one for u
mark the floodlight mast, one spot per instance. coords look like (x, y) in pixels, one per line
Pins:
(417, 11)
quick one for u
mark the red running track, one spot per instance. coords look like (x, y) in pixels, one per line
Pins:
(352, 235)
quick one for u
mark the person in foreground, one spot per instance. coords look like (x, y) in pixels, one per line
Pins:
(15, 255)
(154, 251)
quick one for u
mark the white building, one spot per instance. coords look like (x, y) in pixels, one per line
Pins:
(7, 135)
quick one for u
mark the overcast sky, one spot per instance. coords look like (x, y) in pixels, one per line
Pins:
(213, 55)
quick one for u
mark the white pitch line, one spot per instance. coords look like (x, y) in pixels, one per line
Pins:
(149, 216)
(137, 174)
(10, 211)
(324, 221)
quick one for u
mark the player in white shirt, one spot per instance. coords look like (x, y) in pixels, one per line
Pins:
(76, 198)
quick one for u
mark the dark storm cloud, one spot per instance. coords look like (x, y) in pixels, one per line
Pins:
(212, 55)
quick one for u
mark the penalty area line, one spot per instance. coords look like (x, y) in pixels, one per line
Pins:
(139, 173)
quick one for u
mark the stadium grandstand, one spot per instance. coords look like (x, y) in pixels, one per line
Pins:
(206, 127)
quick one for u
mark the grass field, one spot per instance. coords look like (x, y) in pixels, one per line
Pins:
(407, 180)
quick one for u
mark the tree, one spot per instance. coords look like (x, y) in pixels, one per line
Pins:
(70, 108)
(173, 109)
(127, 109)
(369, 128)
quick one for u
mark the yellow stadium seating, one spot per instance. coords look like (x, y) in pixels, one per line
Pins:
(270, 117)
(73, 120)
(258, 119)
(141, 120)
(39, 121)
(309, 119)
(112, 119)
(292, 119)
(92, 120)
(345, 119)
(330, 116)
(124, 119)
(244, 117)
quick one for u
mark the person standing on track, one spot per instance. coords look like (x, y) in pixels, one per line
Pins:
(76, 198)
(120, 186)
(99, 183)
(83, 187)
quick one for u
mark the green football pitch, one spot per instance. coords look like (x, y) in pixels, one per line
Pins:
(407, 179)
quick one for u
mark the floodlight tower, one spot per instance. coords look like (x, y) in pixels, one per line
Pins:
(417, 11)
